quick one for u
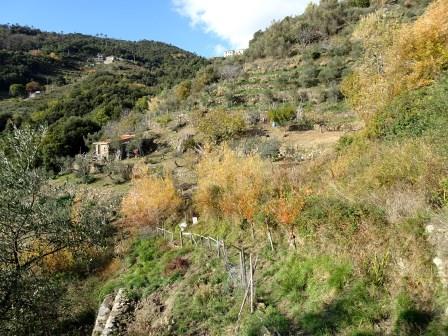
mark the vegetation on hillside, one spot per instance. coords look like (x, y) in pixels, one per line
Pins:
(342, 240)
(351, 253)
(48, 234)
(30, 54)
(320, 22)
(80, 96)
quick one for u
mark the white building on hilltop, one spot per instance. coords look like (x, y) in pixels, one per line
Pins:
(110, 60)
(231, 53)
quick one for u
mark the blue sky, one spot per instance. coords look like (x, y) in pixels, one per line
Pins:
(206, 27)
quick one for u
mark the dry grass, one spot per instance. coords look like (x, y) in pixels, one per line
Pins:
(376, 166)
(402, 203)
(229, 185)
(398, 57)
(150, 201)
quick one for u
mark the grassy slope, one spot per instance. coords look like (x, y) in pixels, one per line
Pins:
(364, 265)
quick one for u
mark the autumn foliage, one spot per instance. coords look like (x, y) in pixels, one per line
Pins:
(150, 201)
(398, 57)
(230, 185)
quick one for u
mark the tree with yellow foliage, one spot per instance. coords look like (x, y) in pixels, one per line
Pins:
(230, 185)
(398, 57)
(150, 201)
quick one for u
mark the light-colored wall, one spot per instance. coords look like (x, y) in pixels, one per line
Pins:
(102, 151)
(230, 53)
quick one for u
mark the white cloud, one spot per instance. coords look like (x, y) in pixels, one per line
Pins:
(219, 49)
(237, 20)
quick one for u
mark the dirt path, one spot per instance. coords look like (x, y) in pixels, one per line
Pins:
(307, 139)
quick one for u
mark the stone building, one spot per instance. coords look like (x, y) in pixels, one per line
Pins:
(103, 150)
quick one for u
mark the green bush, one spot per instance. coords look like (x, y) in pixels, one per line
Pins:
(220, 125)
(342, 217)
(282, 114)
(415, 114)
(304, 124)
(119, 172)
(360, 3)
(329, 73)
(164, 119)
(308, 76)
(266, 148)
(5, 117)
(312, 53)
(301, 279)
(208, 303)
(344, 142)
(17, 90)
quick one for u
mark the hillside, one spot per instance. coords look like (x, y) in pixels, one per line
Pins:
(79, 94)
(299, 189)
(30, 54)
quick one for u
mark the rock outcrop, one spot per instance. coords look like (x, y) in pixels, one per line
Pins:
(114, 314)
(437, 231)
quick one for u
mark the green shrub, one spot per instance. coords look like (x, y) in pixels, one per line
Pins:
(5, 118)
(282, 114)
(17, 90)
(308, 76)
(344, 142)
(164, 119)
(360, 3)
(301, 279)
(342, 217)
(329, 73)
(304, 124)
(266, 148)
(119, 172)
(208, 303)
(83, 164)
(220, 125)
(415, 114)
(312, 53)
(141, 104)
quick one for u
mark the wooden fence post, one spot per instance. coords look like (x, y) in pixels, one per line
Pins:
(251, 279)
(270, 237)
(224, 252)
(244, 267)
(181, 239)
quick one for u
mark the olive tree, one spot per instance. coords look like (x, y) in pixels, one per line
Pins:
(38, 220)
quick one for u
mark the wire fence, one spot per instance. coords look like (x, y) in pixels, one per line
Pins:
(239, 264)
